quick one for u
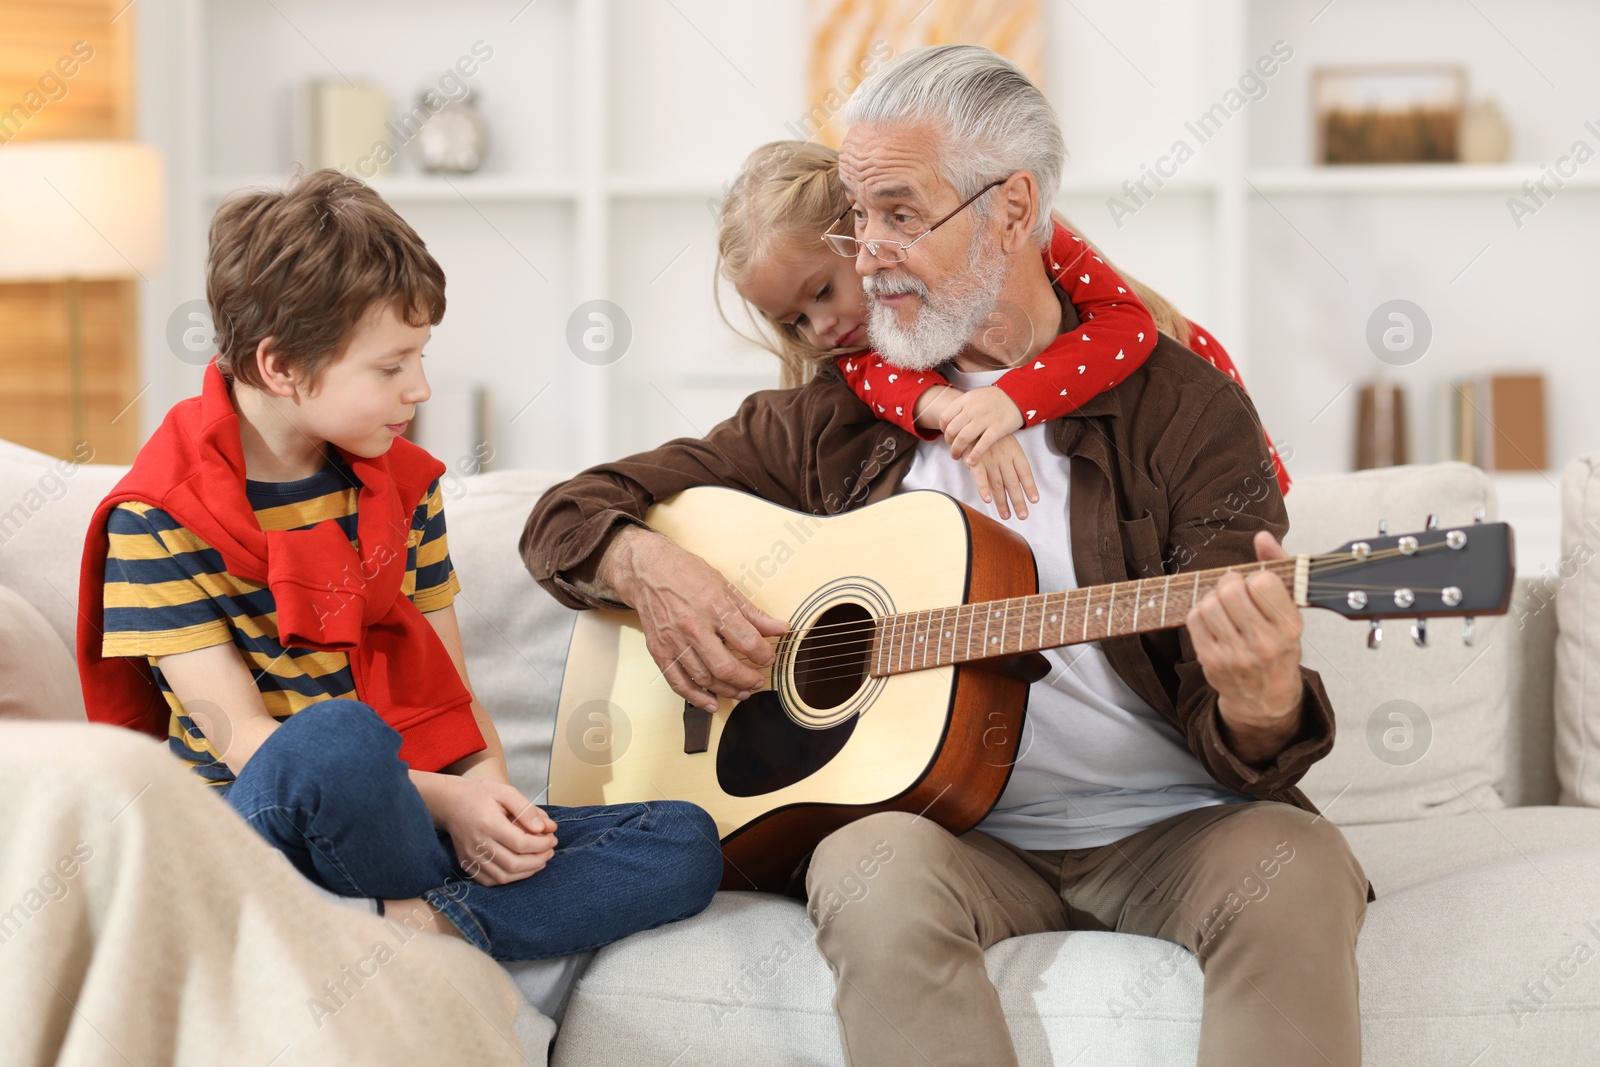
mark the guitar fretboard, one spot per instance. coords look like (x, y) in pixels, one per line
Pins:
(919, 640)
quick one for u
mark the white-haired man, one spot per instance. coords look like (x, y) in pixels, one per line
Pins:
(1155, 790)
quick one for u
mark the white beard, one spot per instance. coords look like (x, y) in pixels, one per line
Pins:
(942, 327)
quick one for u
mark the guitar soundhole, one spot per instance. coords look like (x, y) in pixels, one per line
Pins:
(831, 662)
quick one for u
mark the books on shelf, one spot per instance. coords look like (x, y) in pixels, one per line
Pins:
(1496, 422)
(1381, 426)
(334, 124)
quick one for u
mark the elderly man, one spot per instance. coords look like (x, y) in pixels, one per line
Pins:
(1155, 791)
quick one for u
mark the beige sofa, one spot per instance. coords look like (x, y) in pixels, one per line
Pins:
(1445, 779)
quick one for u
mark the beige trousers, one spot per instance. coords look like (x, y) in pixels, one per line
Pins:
(1268, 897)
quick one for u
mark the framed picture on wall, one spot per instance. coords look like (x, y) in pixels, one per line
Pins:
(1389, 114)
(852, 38)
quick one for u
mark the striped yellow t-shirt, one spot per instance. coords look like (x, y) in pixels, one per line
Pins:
(166, 592)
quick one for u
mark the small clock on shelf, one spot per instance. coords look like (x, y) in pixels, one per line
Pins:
(454, 139)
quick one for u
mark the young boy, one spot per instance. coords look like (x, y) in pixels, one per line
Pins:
(270, 589)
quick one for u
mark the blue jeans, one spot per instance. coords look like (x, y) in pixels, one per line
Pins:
(329, 790)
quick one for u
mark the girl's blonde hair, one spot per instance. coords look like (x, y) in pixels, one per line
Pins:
(789, 192)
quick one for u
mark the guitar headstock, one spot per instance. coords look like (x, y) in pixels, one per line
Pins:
(1462, 570)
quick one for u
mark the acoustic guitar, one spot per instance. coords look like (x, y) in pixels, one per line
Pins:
(890, 691)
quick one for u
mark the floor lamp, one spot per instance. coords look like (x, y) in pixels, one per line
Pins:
(78, 211)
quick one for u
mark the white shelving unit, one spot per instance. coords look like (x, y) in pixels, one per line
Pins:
(617, 124)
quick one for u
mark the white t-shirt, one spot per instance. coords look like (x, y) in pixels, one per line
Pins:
(1096, 763)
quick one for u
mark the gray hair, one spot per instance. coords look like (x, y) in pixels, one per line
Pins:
(994, 120)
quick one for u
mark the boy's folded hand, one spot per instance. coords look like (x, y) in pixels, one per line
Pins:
(499, 835)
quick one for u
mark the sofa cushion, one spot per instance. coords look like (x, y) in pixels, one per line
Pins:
(1490, 965)
(1475, 959)
(1530, 768)
(1399, 855)
(514, 634)
(38, 679)
(45, 507)
(1577, 609)
(1420, 731)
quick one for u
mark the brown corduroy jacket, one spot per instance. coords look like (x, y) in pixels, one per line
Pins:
(1169, 472)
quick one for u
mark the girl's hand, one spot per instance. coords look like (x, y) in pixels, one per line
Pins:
(976, 419)
(931, 407)
(1005, 467)
(498, 834)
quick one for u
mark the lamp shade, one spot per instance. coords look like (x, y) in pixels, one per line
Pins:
(80, 209)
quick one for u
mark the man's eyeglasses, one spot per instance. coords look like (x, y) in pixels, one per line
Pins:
(894, 251)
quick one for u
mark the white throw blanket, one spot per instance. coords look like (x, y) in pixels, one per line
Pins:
(143, 922)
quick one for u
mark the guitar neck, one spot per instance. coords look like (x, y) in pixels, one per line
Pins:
(918, 640)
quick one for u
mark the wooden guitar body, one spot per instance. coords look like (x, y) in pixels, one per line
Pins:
(826, 743)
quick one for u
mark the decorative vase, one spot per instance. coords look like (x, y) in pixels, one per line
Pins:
(454, 139)
(1485, 136)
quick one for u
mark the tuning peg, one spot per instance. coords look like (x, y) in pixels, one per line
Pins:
(1432, 523)
(1383, 527)
(1477, 514)
(1466, 630)
(1375, 634)
(1419, 633)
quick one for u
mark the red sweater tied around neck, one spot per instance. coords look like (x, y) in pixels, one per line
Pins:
(328, 596)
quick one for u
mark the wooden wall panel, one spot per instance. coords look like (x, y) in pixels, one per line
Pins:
(95, 102)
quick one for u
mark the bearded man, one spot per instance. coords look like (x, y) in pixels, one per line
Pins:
(1155, 790)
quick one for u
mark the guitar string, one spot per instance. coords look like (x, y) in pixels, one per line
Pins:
(859, 643)
(860, 647)
(1320, 565)
(999, 605)
(819, 673)
(1092, 591)
(855, 633)
(861, 633)
(864, 630)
